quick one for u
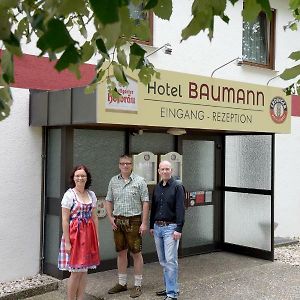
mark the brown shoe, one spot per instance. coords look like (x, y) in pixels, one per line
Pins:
(118, 288)
(136, 292)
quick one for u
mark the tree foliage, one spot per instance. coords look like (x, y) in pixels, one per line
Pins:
(53, 21)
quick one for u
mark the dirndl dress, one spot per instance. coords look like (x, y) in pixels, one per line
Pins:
(84, 253)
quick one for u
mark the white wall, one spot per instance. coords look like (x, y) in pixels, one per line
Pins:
(20, 191)
(287, 187)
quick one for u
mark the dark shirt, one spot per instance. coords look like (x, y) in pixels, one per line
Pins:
(168, 204)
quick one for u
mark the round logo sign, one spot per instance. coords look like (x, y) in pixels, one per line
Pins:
(278, 110)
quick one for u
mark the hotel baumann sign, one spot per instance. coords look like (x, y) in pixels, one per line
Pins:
(190, 101)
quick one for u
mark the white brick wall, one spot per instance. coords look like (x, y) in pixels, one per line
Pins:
(20, 191)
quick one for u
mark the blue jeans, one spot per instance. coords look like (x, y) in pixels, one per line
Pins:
(167, 251)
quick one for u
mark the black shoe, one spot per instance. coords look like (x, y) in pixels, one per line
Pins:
(161, 293)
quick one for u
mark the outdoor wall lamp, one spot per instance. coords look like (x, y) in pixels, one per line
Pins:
(239, 62)
(167, 49)
(272, 79)
(176, 131)
(137, 132)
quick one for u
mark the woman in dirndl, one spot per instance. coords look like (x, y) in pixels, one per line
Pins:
(79, 248)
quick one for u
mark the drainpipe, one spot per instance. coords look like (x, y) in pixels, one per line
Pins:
(43, 200)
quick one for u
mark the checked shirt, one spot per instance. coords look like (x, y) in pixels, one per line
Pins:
(127, 197)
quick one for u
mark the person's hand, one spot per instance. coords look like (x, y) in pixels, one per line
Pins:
(68, 247)
(151, 232)
(143, 229)
(113, 224)
(176, 235)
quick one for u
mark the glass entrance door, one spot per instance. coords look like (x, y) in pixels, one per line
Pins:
(202, 180)
(249, 195)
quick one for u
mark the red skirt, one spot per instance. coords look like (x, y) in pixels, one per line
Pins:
(84, 247)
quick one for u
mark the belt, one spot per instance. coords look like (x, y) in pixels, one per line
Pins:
(130, 218)
(163, 223)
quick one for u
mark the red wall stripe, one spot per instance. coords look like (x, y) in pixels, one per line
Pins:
(33, 72)
(295, 106)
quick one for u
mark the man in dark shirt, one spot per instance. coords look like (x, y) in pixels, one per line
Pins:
(166, 222)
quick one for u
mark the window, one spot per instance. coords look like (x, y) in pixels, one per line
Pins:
(259, 41)
(143, 21)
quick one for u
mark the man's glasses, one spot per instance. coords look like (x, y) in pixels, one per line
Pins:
(80, 176)
(125, 163)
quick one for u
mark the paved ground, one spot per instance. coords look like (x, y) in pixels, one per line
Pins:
(213, 276)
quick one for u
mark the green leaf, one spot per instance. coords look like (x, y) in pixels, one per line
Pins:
(199, 22)
(136, 2)
(294, 4)
(136, 49)
(203, 12)
(145, 74)
(225, 18)
(265, 6)
(82, 27)
(114, 92)
(12, 44)
(142, 30)
(119, 74)
(150, 4)
(37, 21)
(251, 10)
(83, 31)
(106, 11)
(74, 68)
(289, 90)
(22, 28)
(87, 51)
(294, 27)
(5, 4)
(110, 34)
(135, 62)
(102, 48)
(290, 73)
(4, 25)
(56, 37)
(100, 63)
(121, 56)
(7, 66)
(68, 6)
(163, 9)
(5, 102)
(136, 56)
(295, 55)
(90, 88)
(218, 7)
(70, 56)
(127, 24)
(100, 74)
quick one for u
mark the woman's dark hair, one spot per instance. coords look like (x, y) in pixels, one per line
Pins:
(88, 174)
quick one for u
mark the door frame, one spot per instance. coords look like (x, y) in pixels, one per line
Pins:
(217, 193)
(244, 250)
